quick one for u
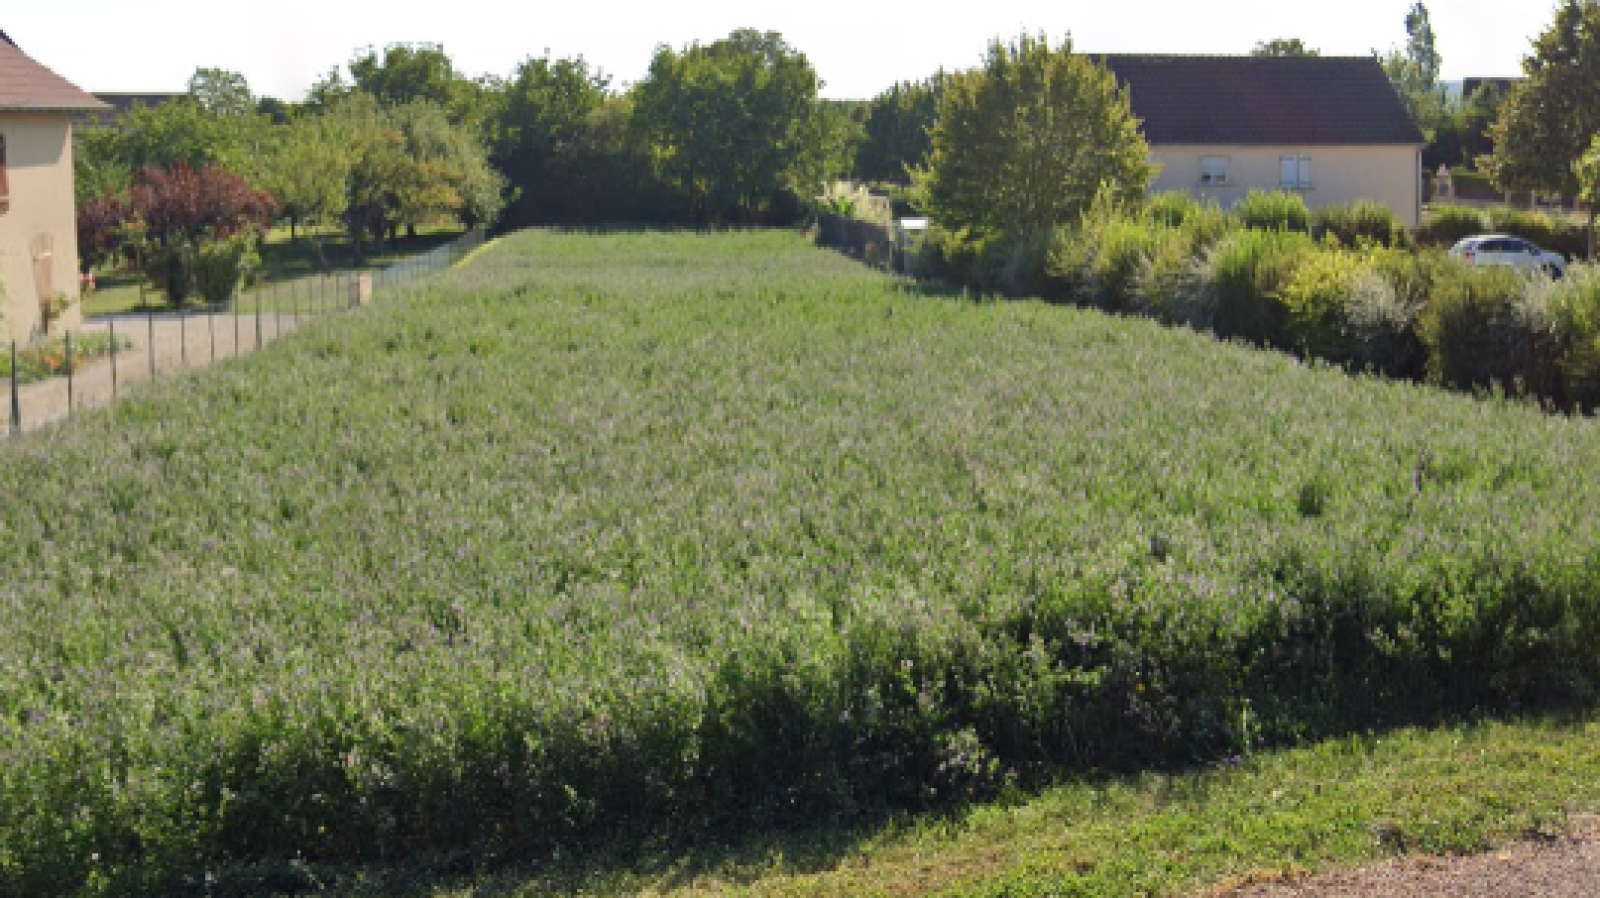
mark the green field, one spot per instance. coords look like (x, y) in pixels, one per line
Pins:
(603, 540)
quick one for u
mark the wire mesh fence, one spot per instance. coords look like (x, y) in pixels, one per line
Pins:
(95, 365)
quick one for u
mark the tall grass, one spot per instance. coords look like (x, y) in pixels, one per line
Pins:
(611, 537)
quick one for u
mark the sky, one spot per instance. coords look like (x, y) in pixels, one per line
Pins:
(858, 48)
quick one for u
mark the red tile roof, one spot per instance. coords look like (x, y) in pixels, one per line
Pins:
(1264, 100)
(27, 85)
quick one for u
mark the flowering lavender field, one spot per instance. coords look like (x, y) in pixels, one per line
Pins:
(603, 536)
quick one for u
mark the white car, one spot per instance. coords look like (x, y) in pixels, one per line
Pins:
(1512, 252)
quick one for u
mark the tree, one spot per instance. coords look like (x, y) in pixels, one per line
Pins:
(834, 132)
(407, 72)
(1462, 136)
(98, 168)
(1415, 70)
(179, 215)
(1587, 172)
(541, 138)
(409, 165)
(177, 132)
(1027, 141)
(1284, 46)
(1552, 116)
(221, 92)
(308, 171)
(377, 157)
(897, 129)
(728, 123)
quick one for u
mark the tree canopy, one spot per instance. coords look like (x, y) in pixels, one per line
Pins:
(898, 128)
(727, 124)
(1550, 118)
(1029, 139)
(1415, 70)
(1284, 46)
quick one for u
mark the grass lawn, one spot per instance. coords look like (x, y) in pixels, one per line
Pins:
(289, 269)
(609, 551)
(1275, 815)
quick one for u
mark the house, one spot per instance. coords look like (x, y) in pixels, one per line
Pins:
(1332, 129)
(38, 218)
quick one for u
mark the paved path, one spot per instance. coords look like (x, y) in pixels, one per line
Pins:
(168, 341)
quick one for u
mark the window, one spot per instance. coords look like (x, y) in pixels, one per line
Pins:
(1294, 172)
(5, 179)
(1213, 170)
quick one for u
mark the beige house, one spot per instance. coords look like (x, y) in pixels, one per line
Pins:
(38, 220)
(1332, 129)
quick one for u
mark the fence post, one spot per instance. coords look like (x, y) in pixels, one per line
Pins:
(16, 398)
(69, 373)
(259, 290)
(211, 328)
(112, 321)
(183, 338)
(150, 337)
(235, 299)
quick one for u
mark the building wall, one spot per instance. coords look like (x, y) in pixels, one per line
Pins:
(39, 167)
(1386, 174)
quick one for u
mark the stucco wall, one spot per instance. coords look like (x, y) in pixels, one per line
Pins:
(1385, 174)
(39, 165)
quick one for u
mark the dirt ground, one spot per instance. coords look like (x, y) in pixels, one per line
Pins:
(1563, 867)
(164, 343)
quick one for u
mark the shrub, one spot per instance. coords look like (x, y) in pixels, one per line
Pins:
(1411, 272)
(1172, 208)
(1315, 298)
(1247, 271)
(1121, 247)
(1360, 223)
(951, 256)
(170, 269)
(1380, 327)
(1207, 226)
(1447, 224)
(1172, 285)
(221, 265)
(1019, 265)
(1489, 328)
(1274, 211)
(1071, 253)
(1574, 308)
(1535, 226)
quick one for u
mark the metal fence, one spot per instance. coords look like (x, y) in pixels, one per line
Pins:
(95, 364)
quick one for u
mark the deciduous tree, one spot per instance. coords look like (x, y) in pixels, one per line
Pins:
(897, 130)
(1284, 46)
(178, 213)
(542, 138)
(1552, 116)
(1027, 140)
(728, 123)
(1587, 172)
(1415, 70)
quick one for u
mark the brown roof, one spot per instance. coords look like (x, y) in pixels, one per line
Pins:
(27, 85)
(1264, 100)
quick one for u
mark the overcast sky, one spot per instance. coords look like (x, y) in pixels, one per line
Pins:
(858, 48)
